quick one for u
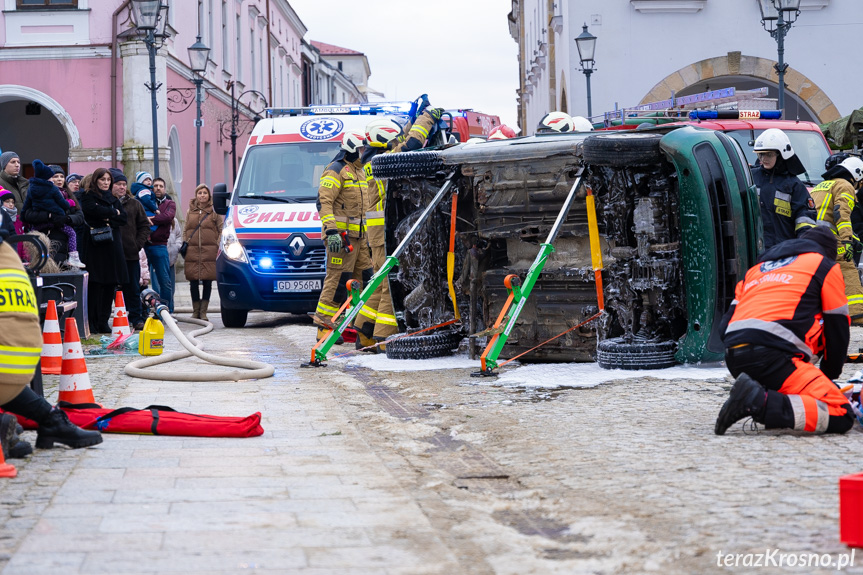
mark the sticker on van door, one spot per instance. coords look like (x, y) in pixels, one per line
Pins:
(321, 128)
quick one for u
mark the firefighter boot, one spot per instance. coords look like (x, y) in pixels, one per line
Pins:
(365, 339)
(205, 305)
(56, 427)
(7, 432)
(747, 399)
(324, 332)
(196, 309)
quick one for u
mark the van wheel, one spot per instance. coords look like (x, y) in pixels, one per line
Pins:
(615, 353)
(622, 150)
(424, 346)
(407, 165)
(234, 317)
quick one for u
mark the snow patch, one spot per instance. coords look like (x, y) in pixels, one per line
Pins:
(380, 362)
(576, 375)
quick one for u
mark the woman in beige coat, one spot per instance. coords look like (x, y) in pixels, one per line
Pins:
(200, 258)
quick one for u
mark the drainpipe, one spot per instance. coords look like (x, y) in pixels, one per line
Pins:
(269, 59)
(114, 82)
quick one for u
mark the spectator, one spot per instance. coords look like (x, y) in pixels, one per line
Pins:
(135, 234)
(105, 261)
(203, 228)
(74, 187)
(44, 196)
(73, 184)
(142, 189)
(11, 179)
(157, 248)
(7, 204)
(175, 240)
(145, 269)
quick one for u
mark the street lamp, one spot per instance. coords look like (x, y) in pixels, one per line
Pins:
(777, 16)
(150, 18)
(235, 119)
(199, 53)
(586, 44)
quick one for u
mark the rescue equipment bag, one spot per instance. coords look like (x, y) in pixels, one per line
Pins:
(156, 420)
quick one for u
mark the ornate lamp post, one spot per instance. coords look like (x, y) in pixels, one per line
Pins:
(150, 17)
(198, 56)
(586, 44)
(777, 16)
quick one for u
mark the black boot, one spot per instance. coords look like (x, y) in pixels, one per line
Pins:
(7, 433)
(57, 427)
(747, 399)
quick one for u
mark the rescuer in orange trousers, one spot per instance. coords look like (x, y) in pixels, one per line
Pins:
(789, 309)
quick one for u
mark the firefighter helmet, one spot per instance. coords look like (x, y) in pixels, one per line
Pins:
(555, 122)
(776, 140)
(581, 124)
(353, 140)
(854, 165)
(382, 131)
(502, 132)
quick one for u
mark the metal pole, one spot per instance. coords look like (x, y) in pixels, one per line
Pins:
(587, 74)
(234, 120)
(151, 48)
(780, 67)
(198, 82)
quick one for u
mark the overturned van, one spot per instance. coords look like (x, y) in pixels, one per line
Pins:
(679, 226)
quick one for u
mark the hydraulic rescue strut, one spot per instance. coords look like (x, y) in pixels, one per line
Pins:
(358, 299)
(519, 292)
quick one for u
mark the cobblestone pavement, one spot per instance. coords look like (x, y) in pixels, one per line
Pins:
(387, 472)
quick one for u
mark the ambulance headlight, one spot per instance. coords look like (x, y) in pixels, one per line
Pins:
(231, 245)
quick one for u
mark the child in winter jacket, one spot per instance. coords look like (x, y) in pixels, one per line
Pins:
(45, 196)
(143, 190)
(7, 204)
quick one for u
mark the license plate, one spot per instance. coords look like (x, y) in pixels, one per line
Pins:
(285, 286)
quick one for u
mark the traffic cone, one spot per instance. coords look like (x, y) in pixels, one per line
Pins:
(52, 345)
(74, 379)
(120, 325)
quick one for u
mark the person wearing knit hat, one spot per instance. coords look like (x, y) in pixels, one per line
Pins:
(118, 175)
(143, 190)
(11, 179)
(142, 177)
(73, 184)
(43, 195)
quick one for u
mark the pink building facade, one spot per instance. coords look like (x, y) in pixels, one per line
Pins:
(73, 81)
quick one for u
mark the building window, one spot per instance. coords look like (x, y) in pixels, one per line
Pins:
(175, 164)
(340, 65)
(253, 83)
(207, 166)
(239, 59)
(225, 47)
(24, 4)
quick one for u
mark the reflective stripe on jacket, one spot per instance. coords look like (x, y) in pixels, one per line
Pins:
(834, 202)
(787, 209)
(341, 198)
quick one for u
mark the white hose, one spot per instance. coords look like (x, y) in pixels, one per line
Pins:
(255, 369)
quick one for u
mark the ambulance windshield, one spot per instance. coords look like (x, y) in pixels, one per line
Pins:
(283, 172)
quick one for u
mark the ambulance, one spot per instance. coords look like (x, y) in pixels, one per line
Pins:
(271, 255)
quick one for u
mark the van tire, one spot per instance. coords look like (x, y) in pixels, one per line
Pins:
(424, 346)
(234, 317)
(622, 150)
(615, 353)
(407, 165)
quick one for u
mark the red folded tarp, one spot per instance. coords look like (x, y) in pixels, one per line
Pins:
(156, 420)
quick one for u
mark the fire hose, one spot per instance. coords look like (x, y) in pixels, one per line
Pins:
(253, 369)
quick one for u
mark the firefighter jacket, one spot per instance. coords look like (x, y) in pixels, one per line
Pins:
(341, 198)
(413, 139)
(787, 209)
(834, 203)
(794, 300)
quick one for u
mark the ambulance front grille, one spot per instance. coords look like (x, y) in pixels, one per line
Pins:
(313, 261)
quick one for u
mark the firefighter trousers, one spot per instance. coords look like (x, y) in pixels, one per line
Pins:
(799, 395)
(377, 318)
(341, 267)
(853, 289)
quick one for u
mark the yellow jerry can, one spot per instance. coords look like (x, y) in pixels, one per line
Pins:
(151, 341)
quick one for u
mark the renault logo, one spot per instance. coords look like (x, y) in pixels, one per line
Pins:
(297, 246)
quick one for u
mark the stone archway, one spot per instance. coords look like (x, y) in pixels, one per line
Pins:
(735, 64)
(10, 92)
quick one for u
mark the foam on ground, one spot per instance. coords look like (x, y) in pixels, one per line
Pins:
(556, 375)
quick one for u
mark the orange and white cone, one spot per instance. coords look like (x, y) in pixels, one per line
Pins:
(120, 325)
(52, 344)
(74, 379)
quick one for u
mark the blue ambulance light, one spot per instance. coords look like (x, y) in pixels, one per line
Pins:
(266, 263)
(735, 115)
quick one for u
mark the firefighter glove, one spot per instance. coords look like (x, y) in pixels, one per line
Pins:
(334, 243)
(435, 113)
(856, 246)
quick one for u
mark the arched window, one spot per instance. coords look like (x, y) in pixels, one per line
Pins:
(176, 162)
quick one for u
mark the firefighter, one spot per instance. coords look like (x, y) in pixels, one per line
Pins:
(835, 199)
(20, 350)
(341, 198)
(787, 209)
(789, 309)
(376, 320)
(555, 122)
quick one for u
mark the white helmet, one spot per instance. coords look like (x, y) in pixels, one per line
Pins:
(581, 124)
(555, 122)
(382, 131)
(353, 140)
(854, 165)
(502, 132)
(774, 139)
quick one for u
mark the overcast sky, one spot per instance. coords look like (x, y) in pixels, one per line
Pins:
(460, 53)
